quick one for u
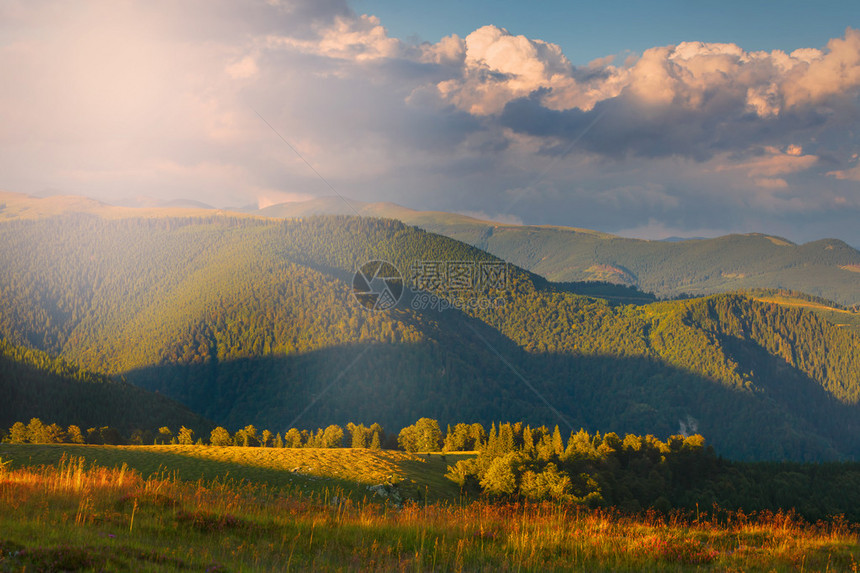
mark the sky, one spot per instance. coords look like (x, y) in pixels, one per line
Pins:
(645, 119)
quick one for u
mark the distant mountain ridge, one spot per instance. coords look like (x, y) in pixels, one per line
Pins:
(827, 267)
(16, 206)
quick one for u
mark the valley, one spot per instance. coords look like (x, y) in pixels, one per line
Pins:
(132, 325)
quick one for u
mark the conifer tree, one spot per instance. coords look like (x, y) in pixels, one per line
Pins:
(557, 442)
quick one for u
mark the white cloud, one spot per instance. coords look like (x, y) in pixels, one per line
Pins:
(449, 50)
(820, 75)
(123, 99)
(764, 100)
(500, 67)
(359, 39)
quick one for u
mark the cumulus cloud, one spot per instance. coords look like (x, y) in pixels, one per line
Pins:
(359, 38)
(124, 99)
(449, 50)
(850, 174)
(500, 67)
(243, 69)
(771, 162)
(821, 75)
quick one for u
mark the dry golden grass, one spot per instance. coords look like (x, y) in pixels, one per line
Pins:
(360, 466)
(311, 469)
(72, 517)
(794, 302)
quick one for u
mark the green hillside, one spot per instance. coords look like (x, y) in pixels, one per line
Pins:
(828, 310)
(828, 268)
(250, 320)
(36, 385)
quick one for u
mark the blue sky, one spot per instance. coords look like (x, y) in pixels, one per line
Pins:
(712, 117)
(590, 30)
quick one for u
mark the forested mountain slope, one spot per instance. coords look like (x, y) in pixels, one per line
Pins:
(828, 268)
(253, 321)
(36, 385)
(826, 309)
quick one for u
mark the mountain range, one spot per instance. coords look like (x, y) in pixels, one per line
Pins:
(243, 318)
(828, 268)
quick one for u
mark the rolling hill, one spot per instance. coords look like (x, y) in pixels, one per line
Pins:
(252, 320)
(17, 206)
(828, 268)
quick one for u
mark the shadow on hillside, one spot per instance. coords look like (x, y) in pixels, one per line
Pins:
(478, 375)
(28, 392)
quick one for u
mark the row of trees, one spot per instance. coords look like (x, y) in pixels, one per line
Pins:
(37, 432)
(333, 436)
(423, 436)
(537, 463)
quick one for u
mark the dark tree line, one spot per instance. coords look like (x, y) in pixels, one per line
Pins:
(635, 472)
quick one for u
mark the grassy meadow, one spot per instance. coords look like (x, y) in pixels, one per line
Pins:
(310, 470)
(190, 508)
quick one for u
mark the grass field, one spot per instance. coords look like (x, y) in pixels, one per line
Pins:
(309, 469)
(73, 516)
